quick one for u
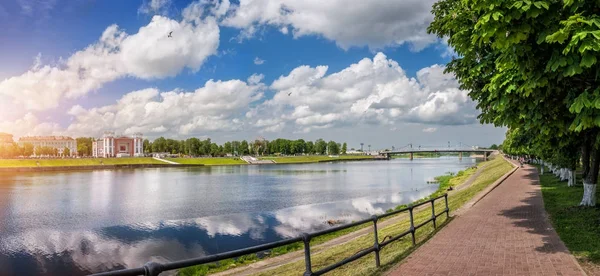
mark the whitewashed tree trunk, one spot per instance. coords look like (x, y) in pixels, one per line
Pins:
(542, 170)
(573, 178)
(570, 182)
(563, 174)
(589, 195)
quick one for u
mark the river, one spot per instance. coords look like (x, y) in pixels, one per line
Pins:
(73, 223)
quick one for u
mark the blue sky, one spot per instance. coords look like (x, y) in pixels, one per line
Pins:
(384, 80)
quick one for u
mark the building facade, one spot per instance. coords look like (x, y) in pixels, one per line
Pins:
(56, 142)
(6, 139)
(112, 146)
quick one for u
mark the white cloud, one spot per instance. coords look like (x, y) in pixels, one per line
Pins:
(30, 125)
(214, 107)
(258, 61)
(349, 23)
(148, 54)
(155, 6)
(255, 78)
(372, 91)
(430, 130)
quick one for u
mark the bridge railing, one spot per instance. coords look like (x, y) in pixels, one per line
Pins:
(153, 268)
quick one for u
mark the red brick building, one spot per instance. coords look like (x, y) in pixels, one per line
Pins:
(122, 146)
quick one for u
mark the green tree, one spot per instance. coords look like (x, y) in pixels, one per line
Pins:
(530, 65)
(310, 147)
(84, 146)
(244, 149)
(333, 148)
(27, 149)
(214, 149)
(344, 148)
(159, 145)
(66, 152)
(147, 146)
(494, 147)
(227, 148)
(320, 146)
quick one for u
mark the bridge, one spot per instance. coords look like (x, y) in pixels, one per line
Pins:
(410, 149)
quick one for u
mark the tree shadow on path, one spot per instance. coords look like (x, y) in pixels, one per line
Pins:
(532, 215)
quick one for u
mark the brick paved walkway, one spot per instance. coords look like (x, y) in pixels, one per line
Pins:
(506, 233)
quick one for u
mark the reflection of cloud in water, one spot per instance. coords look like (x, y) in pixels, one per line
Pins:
(79, 252)
(88, 251)
(234, 225)
(301, 171)
(364, 205)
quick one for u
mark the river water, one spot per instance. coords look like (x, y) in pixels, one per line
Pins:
(73, 223)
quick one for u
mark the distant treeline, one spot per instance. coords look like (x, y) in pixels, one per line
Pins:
(193, 147)
(197, 147)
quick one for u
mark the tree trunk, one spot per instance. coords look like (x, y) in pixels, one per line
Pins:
(586, 148)
(589, 182)
(571, 176)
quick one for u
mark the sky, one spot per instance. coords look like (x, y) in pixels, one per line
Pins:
(353, 71)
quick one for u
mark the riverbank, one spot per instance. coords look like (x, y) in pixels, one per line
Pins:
(339, 245)
(315, 158)
(578, 227)
(28, 165)
(209, 161)
(72, 162)
(76, 164)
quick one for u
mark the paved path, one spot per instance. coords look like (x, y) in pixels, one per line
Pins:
(506, 233)
(166, 161)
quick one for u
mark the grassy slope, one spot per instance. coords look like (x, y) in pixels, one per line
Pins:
(12, 163)
(314, 158)
(209, 161)
(578, 228)
(390, 254)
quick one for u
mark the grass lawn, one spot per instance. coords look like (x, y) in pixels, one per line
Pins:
(209, 161)
(578, 227)
(314, 158)
(391, 254)
(13, 163)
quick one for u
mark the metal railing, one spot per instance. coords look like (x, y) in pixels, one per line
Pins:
(153, 268)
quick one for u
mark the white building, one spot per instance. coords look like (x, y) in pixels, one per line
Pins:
(112, 146)
(57, 142)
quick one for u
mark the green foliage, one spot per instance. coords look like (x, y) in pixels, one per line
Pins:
(84, 146)
(523, 62)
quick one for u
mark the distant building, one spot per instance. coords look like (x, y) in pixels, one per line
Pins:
(56, 142)
(6, 139)
(111, 146)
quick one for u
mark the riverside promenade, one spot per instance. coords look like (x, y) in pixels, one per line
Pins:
(505, 233)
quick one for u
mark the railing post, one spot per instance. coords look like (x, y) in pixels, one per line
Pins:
(306, 240)
(412, 224)
(152, 269)
(447, 209)
(433, 213)
(376, 244)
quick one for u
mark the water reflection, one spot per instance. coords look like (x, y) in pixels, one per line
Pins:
(79, 252)
(58, 224)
